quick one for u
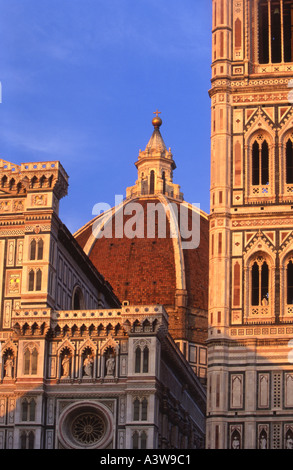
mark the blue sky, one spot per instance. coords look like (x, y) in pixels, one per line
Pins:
(81, 80)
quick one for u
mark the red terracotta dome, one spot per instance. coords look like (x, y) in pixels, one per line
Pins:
(149, 270)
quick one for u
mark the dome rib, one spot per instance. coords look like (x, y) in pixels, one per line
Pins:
(177, 245)
(101, 220)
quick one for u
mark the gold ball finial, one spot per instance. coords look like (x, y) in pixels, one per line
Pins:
(157, 121)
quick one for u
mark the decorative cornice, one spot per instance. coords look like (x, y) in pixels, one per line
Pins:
(146, 320)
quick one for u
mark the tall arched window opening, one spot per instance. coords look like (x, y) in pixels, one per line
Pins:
(40, 249)
(33, 250)
(34, 362)
(24, 410)
(288, 31)
(135, 440)
(259, 283)
(30, 361)
(27, 439)
(31, 280)
(28, 410)
(152, 182)
(27, 358)
(141, 360)
(32, 410)
(289, 162)
(77, 299)
(260, 163)
(275, 31)
(136, 407)
(35, 280)
(164, 182)
(144, 410)
(137, 360)
(39, 280)
(36, 249)
(139, 440)
(143, 440)
(145, 368)
(290, 283)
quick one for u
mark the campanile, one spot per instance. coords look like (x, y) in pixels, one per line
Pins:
(250, 379)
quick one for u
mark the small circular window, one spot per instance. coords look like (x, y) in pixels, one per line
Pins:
(85, 426)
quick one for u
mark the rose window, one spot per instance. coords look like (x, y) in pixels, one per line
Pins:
(85, 425)
(88, 428)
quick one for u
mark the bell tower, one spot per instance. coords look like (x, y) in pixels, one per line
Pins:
(250, 375)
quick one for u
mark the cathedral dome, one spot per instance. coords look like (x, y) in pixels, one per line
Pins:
(154, 269)
(153, 246)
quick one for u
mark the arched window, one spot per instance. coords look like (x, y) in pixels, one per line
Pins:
(164, 182)
(260, 163)
(77, 299)
(290, 283)
(30, 361)
(24, 410)
(36, 249)
(260, 283)
(143, 440)
(136, 408)
(275, 31)
(32, 410)
(34, 361)
(39, 280)
(139, 440)
(145, 368)
(23, 440)
(135, 440)
(31, 280)
(28, 410)
(27, 358)
(27, 440)
(144, 410)
(40, 249)
(152, 182)
(289, 162)
(137, 360)
(276, 55)
(35, 280)
(141, 360)
(140, 410)
(288, 30)
(33, 246)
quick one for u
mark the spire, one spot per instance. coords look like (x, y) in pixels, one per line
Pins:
(156, 142)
